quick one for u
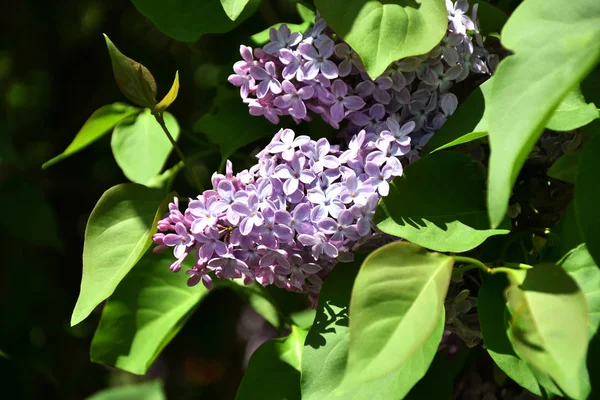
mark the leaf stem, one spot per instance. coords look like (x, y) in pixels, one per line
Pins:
(161, 122)
(473, 263)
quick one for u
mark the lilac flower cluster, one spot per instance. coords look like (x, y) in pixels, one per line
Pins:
(307, 204)
(316, 73)
(290, 218)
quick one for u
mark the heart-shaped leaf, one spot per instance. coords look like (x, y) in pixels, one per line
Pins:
(573, 112)
(233, 8)
(385, 31)
(141, 147)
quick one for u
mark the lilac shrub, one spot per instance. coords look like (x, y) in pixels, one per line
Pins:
(307, 204)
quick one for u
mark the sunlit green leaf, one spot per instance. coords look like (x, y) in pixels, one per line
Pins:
(573, 112)
(118, 233)
(187, 20)
(385, 31)
(326, 349)
(233, 8)
(530, 84)
(468, 123)
(274, 369)
(549, 325)
(580, 265)
(587, 193)
(396, 304)
(99, 123)
(145, 312)
(146, 391)
(141, 147)
(231, 127)
(438, 203)
(133, 79)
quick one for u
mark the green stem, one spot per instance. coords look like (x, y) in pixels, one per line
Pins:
(472, 264)
(161, 122)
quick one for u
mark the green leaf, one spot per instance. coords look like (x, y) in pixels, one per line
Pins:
(549, 326)
(100, 122)
(304, 318)
(223, 127)
(118, 233)
(580, 265)
(438, 203)
(468, 123)
(587, 192)
(147, 391)
(573, 112)
(4, 355)
(233, 8)
(133, 79)
(493, 312)
(169, 97)
(187, 20)
(141, 317)
(385, 31)
(326, 349)
(396, 304)
(141, 147)
(565, 168)
(491, 18)
(274, 369)
(529, 85)
(305, 13)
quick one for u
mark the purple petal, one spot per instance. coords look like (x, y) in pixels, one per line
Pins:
(354, 103)
(329, 69)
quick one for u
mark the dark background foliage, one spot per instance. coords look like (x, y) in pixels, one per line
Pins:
(54, 72)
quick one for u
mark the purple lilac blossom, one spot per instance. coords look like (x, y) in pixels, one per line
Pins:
(307, 205)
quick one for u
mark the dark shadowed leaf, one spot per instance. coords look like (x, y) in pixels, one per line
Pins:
(587, 193)
(118, 233)
(274, 369)
(529, 85)
(385, 31)
(565, 168)
(187, 20)
(438, 203)
(493, 312)
(100, 122)
(146, 391)
(133, 79)
(491, 18)
(231, 127)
